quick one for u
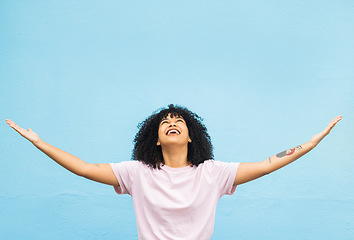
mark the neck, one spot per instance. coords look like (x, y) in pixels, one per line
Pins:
(175, 157)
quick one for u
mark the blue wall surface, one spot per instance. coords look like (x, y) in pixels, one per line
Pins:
(264, 75)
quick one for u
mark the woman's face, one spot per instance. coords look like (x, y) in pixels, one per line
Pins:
(173, 130)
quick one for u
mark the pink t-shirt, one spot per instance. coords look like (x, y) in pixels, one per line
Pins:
(175, 203)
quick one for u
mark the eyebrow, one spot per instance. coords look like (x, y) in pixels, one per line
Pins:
(173, 117)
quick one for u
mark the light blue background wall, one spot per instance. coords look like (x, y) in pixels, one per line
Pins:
(265, 75)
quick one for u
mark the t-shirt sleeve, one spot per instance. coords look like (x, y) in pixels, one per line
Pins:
(124, 172)
(225, 174)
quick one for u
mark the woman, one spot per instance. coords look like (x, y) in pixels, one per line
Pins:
(175, 184)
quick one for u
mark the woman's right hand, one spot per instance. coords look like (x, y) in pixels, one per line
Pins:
(102, 173)
(28, 134)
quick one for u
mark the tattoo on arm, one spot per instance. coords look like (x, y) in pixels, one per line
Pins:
(270, 161)
(97, 165)
(288, 152)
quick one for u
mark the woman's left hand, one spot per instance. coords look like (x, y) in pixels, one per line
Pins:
(317, 138)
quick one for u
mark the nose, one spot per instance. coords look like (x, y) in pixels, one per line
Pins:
(172, 124)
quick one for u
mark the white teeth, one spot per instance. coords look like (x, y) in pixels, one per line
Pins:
(172, 131)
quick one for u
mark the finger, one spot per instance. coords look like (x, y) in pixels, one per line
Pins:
(16, 127)
(11, 123)
(336, 120)
(333, 122)
(8, 121)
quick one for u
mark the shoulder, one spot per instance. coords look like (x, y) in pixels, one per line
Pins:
(212, 165)
(215, 163)
(128, 165)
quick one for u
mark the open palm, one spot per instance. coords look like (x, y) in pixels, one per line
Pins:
(316, 139)
(28, 134)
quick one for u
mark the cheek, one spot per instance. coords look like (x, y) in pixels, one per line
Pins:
(185, 128)
(186, 131)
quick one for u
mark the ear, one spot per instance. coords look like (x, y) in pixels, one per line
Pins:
(189, 140)
(158, 144)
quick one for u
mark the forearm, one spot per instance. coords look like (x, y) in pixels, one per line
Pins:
(65, 159)
(282, 159)
(252, 170)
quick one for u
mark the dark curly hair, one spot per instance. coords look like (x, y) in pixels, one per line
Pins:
(146, 150)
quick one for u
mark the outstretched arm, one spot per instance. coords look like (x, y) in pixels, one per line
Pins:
(253, 170)
(102, 173)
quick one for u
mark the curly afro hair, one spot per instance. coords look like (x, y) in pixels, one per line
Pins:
(146, 150)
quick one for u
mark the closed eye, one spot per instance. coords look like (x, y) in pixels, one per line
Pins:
(163, 122)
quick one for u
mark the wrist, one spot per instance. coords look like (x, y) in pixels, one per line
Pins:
(37, 142)
(312, 144)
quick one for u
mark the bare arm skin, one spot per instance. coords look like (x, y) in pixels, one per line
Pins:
(102, 173)
(253, 170)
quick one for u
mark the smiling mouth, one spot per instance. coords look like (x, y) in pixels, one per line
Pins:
(173, 132)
